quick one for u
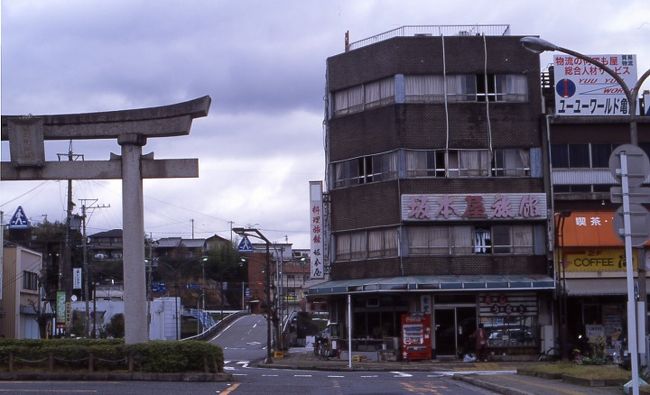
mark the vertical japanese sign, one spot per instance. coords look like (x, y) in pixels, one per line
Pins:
(582, 88)
(60, 308)
(76, 278)
(317, 270)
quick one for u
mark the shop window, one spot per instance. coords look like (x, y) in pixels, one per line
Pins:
(511, 331)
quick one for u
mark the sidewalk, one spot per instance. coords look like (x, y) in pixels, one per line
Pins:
(500, 377)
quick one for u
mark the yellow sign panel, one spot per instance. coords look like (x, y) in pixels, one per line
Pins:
(599, 260)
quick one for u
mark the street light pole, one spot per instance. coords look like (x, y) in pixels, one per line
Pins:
(538, 45)
(253, 232)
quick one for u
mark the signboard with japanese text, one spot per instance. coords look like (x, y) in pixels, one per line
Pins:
(598, 260)
(317, 267)
(582, 88)
(589, 229)
(499, 206)
(76, 278)
(60, 308)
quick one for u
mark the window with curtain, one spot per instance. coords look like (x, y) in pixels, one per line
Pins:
(379, 92)
(424, 88)
(461, 87)
(428, 240)
(342, 247)
(511, 88)
(473, 163)
(510, 162)
(425, 163)
(522, 239)
(349, 100)
(365, 169)
(461, 243)
(382, 243)
(358, 245)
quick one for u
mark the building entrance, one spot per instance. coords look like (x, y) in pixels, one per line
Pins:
(453, 326)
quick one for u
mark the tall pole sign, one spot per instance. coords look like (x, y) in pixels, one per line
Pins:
(630, 166)
(317, 267)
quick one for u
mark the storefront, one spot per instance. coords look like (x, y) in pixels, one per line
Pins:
(513, 309)
(593, 273)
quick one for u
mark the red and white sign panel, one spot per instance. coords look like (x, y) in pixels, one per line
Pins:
(485, 206)
(582, 88)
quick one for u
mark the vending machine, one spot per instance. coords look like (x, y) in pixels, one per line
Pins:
(416, 336)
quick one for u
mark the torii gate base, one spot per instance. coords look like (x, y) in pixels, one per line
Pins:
(131, 128)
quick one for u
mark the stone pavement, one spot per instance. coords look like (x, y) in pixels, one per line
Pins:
(499, 377)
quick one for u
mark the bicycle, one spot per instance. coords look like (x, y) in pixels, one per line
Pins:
(551, 355)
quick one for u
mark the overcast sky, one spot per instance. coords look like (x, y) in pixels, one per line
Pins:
(263, 64)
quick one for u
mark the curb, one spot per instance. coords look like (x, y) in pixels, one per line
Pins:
(474, 380)
(115, 376)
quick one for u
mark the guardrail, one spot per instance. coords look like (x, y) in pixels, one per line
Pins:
(218, 327)
(433, 30)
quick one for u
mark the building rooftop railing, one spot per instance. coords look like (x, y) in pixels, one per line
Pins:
(433, 30)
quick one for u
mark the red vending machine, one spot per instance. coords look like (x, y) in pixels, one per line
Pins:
(416, 336)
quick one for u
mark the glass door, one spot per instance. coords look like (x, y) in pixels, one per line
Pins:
(453, 327)
(445, 322)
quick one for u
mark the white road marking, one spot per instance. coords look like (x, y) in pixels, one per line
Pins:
(240, 374)
(302, 375)
(269, 375)
(338, 377)
(400, 374)
(369, 377)
(228, 368)
(255, 325)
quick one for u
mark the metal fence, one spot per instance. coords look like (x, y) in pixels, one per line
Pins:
(433, 30)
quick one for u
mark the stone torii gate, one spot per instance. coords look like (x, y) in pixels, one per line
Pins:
(131, 128)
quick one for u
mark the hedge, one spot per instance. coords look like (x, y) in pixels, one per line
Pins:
(90, 354)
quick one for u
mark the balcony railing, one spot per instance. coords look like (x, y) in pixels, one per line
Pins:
(433, 30)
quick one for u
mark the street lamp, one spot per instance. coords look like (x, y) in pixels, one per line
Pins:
(538, 45)
(253, 232)
(203, 261)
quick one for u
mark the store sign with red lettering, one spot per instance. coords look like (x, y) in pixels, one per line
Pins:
(317, 266)
(499, 206)
(582, 88)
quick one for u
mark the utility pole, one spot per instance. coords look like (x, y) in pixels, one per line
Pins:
(65, 272)
(85, 276)
(192, 220)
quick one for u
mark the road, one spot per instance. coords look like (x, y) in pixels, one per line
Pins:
(244, 342)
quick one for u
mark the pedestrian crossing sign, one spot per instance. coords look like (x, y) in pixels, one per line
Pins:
(245, 245)
(19, 220)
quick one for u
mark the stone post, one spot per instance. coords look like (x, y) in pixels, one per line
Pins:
(135, 301)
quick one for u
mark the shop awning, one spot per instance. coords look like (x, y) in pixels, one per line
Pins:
(433, 284)
(598, 286)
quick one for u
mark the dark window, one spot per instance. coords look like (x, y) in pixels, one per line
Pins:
(481, 93)
(600, 155)
(559, 155)
(30, 280)
(578, 155)
(501, 239)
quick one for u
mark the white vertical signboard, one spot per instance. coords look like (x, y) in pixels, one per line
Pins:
(76, 278)
(317, 270)
(582, 88)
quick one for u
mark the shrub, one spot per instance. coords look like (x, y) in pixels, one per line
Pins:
(155, 356)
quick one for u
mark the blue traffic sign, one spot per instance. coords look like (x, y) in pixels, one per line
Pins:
(245, 245)
(19, 220)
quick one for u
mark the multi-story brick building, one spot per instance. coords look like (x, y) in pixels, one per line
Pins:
(438, 196)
